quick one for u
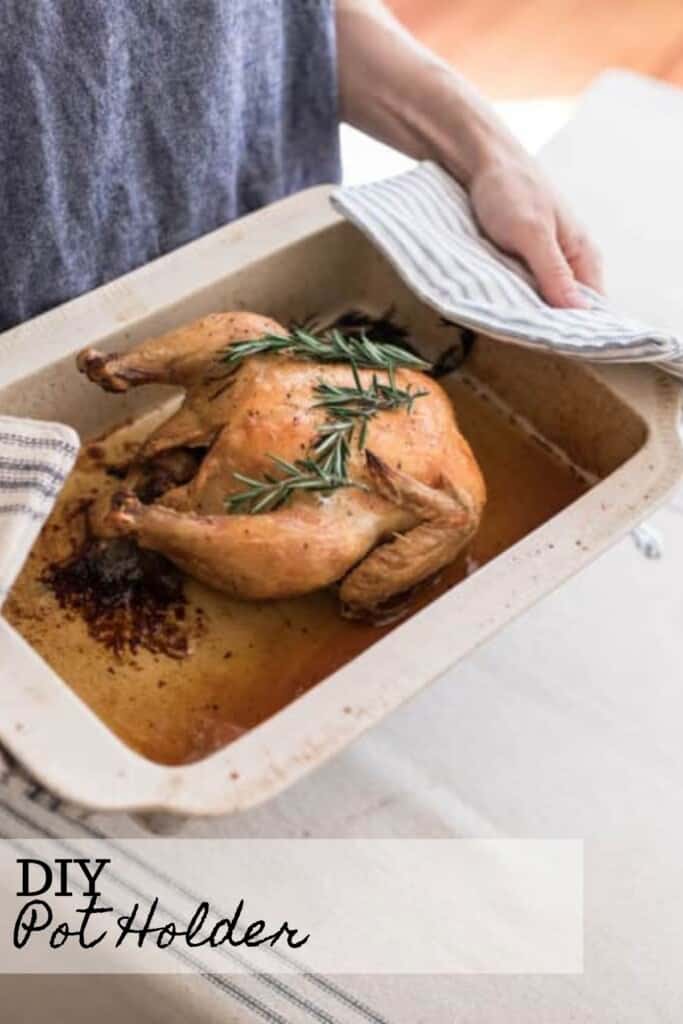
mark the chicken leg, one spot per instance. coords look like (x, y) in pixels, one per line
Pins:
(179, 357)
(272, 555)
(305, 547)
(447, 519)
(182, 357)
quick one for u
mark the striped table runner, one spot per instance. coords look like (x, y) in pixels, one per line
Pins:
(28, 813)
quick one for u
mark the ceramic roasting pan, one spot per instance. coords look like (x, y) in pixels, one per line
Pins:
(292, 259)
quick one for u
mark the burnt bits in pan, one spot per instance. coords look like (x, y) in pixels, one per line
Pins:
(386, 329)
(453, 357)
(129, 598)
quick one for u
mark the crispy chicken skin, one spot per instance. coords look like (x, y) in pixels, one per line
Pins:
(423, 492)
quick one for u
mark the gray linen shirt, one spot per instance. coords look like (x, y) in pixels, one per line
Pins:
(128, 127)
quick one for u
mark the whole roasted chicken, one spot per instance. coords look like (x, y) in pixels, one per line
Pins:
(294, 462)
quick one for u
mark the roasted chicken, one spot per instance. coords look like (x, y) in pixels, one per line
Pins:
(205, 490)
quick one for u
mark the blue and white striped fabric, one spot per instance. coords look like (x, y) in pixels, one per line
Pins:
(35, 459)
(423, 223)
(29, 813)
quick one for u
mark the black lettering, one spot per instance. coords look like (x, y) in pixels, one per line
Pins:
(47, 876)
(34, 916)
(92, 876)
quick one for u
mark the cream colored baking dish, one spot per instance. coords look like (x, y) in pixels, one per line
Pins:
(293, 259)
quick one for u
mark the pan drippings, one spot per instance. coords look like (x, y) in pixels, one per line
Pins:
(177, 669)
(129, 598)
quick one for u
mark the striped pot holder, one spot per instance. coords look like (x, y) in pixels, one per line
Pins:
(423, 223)
(35, 459)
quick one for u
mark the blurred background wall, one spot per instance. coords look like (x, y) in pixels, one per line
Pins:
(529, 49)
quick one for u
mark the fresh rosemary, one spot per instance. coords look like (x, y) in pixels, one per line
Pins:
(345, 404)
(330, 347)
(325, 469)
(269, 493)
(332, 447)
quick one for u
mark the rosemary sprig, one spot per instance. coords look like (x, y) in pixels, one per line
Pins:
(330, 347)
(326, 469)
(332, 447)
(270, 493)
(364, 403)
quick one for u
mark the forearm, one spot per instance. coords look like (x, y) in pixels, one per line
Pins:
(396, 90)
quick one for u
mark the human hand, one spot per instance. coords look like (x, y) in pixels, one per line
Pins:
(518, 210)
(397, 91)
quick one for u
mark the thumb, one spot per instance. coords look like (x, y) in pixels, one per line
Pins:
(554, 276)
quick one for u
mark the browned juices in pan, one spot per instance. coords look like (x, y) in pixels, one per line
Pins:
(248, 660)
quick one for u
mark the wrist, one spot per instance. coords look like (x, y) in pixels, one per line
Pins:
(398, 91)
(459, 130)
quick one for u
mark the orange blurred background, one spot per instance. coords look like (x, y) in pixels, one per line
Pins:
(526, 49)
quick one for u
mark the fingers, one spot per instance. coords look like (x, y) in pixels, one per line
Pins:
(539, 247)
(580, 253)
(519, 212)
